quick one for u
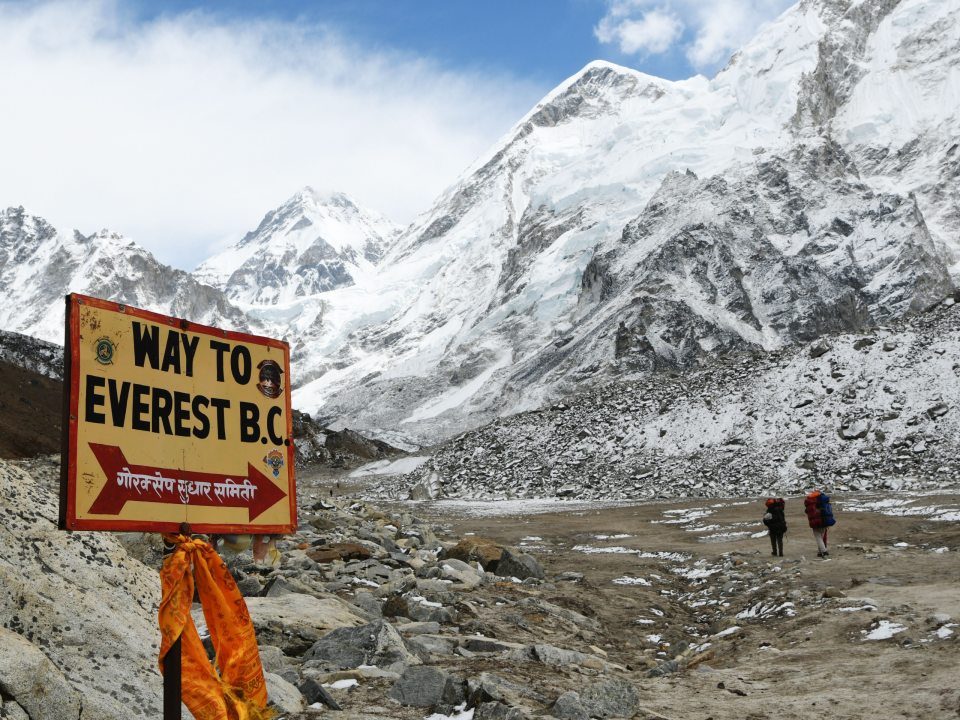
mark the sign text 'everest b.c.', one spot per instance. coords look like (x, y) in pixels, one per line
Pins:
(173, 422)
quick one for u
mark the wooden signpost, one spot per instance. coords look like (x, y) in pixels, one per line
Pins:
(172, 426)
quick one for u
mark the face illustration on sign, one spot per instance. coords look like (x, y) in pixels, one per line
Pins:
(270, 384)
(169, 424)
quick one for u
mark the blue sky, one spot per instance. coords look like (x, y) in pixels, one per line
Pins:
(543, 41)
(180, 124)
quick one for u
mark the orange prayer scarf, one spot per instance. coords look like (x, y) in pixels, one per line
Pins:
(240, 691)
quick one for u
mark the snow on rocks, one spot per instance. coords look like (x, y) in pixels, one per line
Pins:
(878, 419)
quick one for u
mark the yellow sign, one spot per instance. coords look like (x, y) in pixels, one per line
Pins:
(169, 422)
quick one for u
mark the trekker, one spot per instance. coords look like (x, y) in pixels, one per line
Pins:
(820, 517)
(776, 522)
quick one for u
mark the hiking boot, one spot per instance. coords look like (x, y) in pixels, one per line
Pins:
(819, 554)
(773, 553)
(825, 554)
(781, 554)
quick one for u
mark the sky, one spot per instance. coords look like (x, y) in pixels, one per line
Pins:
(181, 124)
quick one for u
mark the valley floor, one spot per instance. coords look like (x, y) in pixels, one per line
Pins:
(764, 639)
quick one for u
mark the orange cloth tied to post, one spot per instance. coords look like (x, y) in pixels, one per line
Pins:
(239, 692)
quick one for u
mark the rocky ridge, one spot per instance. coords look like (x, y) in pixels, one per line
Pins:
(33, 354)
(870, 410)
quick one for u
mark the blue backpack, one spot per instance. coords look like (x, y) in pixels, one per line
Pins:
(826, 511)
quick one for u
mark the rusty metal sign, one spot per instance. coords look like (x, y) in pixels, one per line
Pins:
(168, 422)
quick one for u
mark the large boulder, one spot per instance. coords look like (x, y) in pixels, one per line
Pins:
(427, 686)
(519, 565)
(80, 599)
(473, 550)
(377, 643)
(613, 698)
(282, 695)
(33, 682)
(294, 622)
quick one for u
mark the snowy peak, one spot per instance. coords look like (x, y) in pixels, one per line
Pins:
(313, 243)
(40, 265)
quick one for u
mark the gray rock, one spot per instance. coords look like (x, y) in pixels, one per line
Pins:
(611, 698)
(521, 566)
(12, 711)
(420, 628)
(426, 686)
(282, 695)
(377, 643)
(82, 595)
(856, 430)
(314, 692)
(250, 586)
(671, 666)
(558, 656)
(424, 613)
(491, 688)
(497, 711)
(819, 348)
(430, 644)
(568, 707)
(271, 658)
(290, 674)
(574, 617)
(28, 677)
(369, 604)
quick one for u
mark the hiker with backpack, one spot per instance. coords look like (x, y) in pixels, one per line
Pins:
(820, 516)
(776, 523)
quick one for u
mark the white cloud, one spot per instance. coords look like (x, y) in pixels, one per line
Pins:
(654, 32)
(184, 131)
(717, 27)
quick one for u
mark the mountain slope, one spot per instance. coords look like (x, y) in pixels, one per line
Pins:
(39, 266)
(310, 244)
(821, 198)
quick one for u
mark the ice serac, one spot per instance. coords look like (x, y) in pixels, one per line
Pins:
(312, 243)
(39, 265)
(629, 222)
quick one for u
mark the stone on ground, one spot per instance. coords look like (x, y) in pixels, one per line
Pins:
(613, 698)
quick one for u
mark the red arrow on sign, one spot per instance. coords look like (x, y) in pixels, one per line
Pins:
(167, 486)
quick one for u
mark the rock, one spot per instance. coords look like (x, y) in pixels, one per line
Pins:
(568, 707)
(475, 550)
(855, 430)
(424, 613)
(574, 617)
(491, 688)
(520, 566)
(29, 678)
(863, 343)
(271, 658)
(369, 604)
(938, 410)
(566, 490)
(396, 587)
(671, 666)
(613, 698)
(420, 628)
(832, 592)
(282, 695)
(497, 711)
(889, 345)
(426, 686)
(281, 620)
(377, 643)
(250, 586)
(431, 645)
(427, 488)
(570, 576)
(819, 348)
(12, 711)
(314, 692)
(280, 586)
(558, 656)
(938, 619)
(81, 596)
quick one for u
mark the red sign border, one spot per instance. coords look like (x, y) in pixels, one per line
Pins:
(71, 404)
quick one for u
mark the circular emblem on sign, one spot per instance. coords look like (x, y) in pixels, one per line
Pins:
(274, 460)
(104, 349)
(271, 384)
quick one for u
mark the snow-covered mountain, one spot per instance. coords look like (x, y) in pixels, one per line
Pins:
(311, 244)
(39, 266)
(630, 222)
(626, 223)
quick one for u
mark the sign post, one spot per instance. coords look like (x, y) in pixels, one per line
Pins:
(167, 422)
